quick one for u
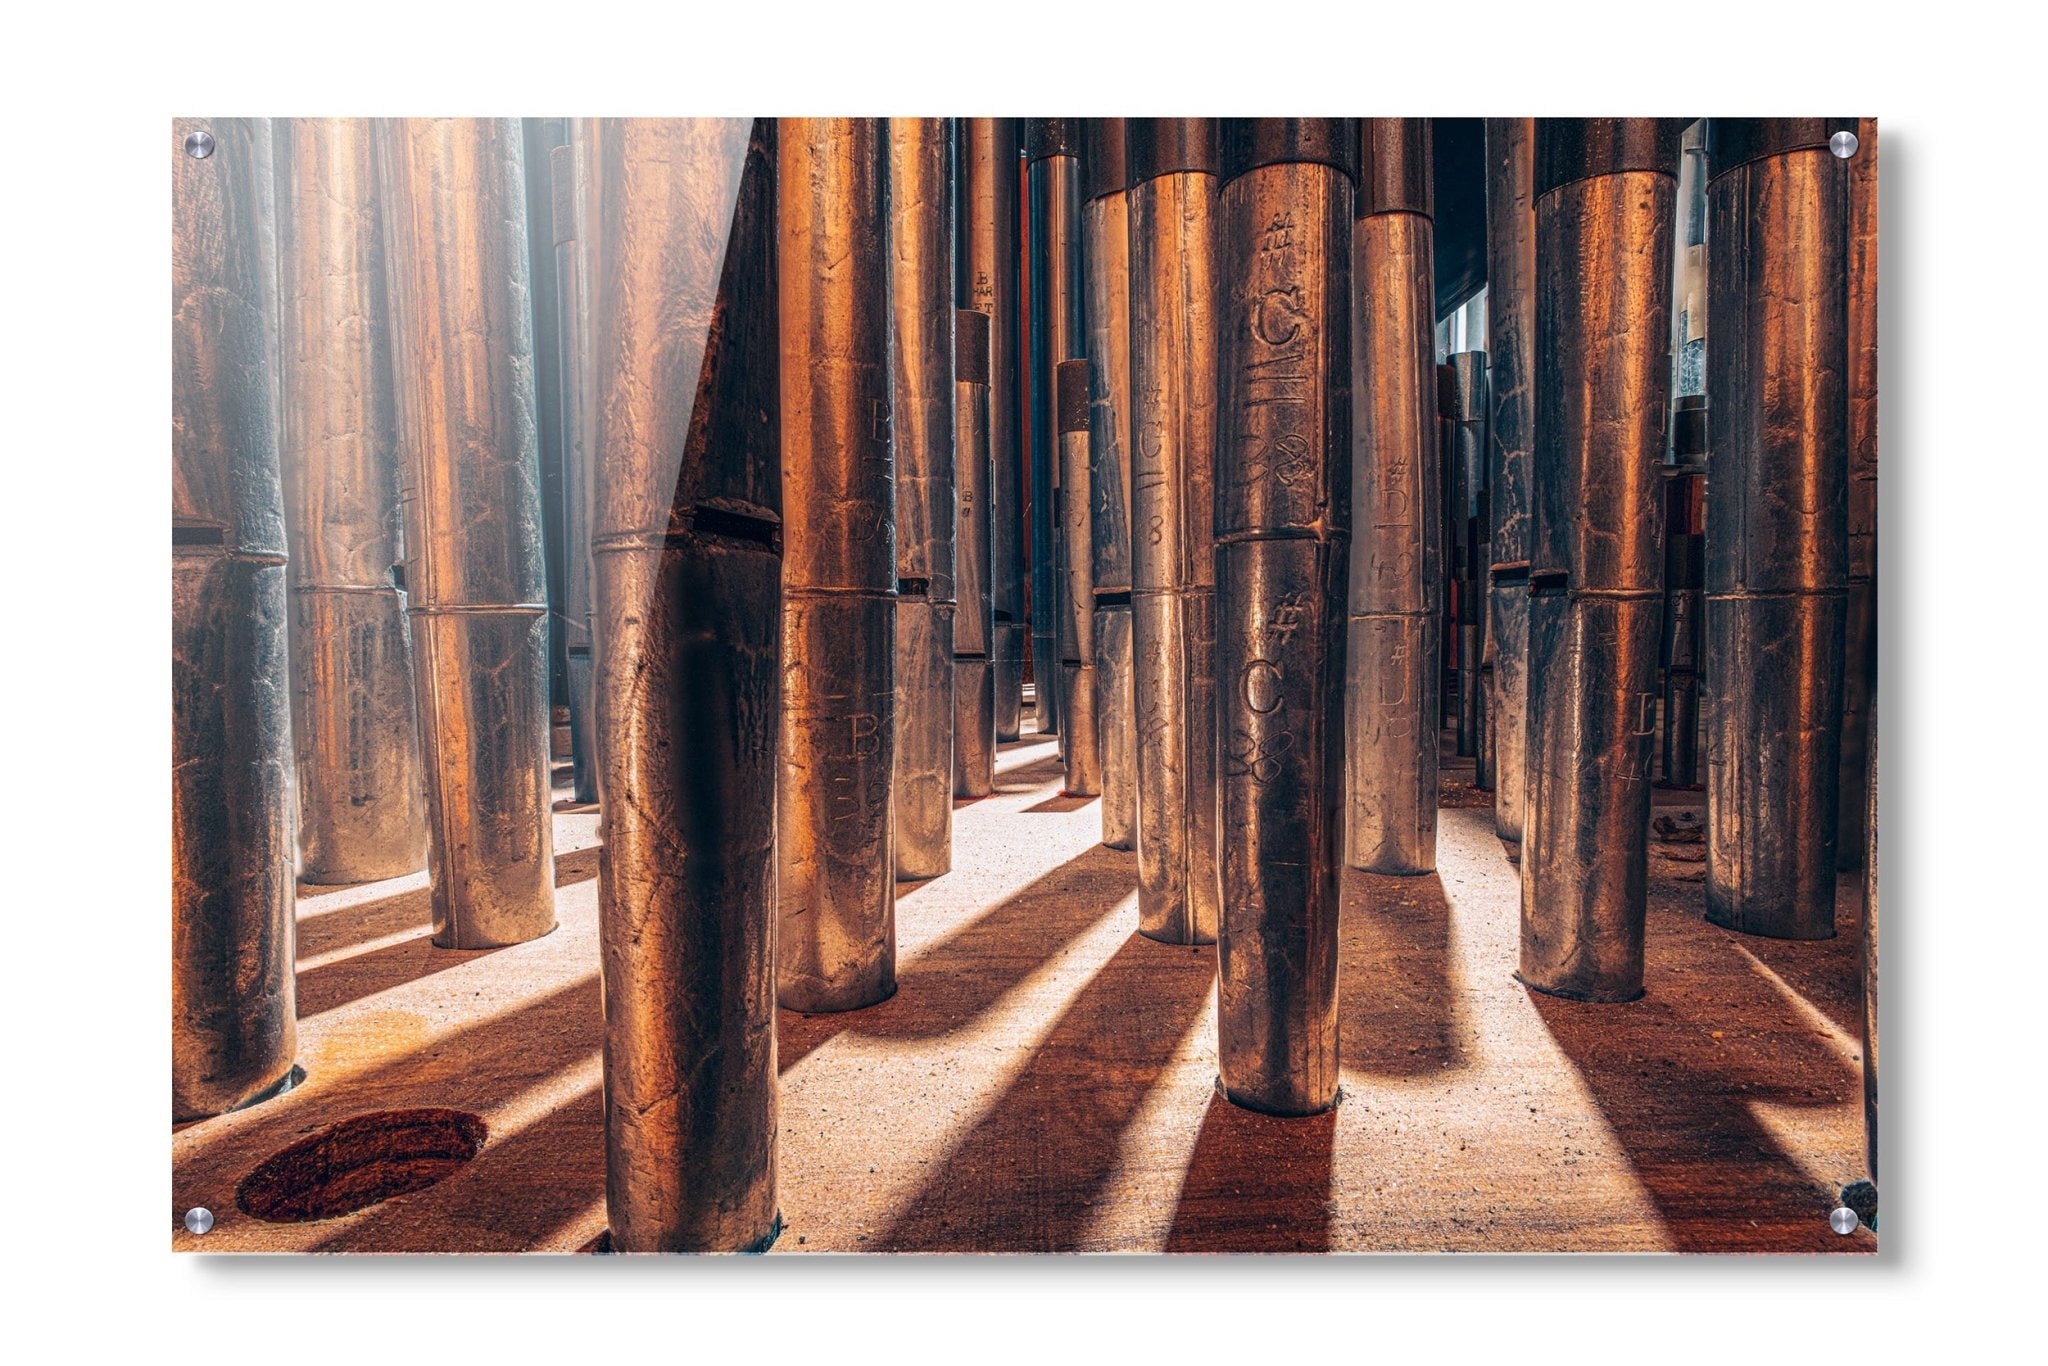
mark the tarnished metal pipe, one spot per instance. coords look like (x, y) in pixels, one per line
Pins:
(362, 805)
(1453, 564)
(233, 1021)
(539, 140)
(687, 498)
(569, 183)
(1469, 457)
(1605, 190)
(1283, 509)
(1685, 568)
(837, 822)
(1870, 949)
(1511, 344)
(921, 375)
(1106, 252)
(1859, 651)
(974, 681)
(1174, 164)
(1082, 753)
(987, 267)
(1396, 579)
(1777, 529)
(454, 190)
(1053, 149)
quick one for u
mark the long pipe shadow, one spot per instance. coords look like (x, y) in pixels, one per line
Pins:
(1397, 1011)
(1256, 1183)
(1026, 1177)
(1030, 777)
(1826, 973)
(1676, 1076)
(959, 977)
(332, 931)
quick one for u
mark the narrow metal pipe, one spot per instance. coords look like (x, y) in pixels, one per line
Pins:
(1870, 952)
(837, 922)
(454, 191)
(1859, 652)
(1283, 505)
(233, 1019)
(1777, 530)
(569, 177)
(1605, 192)
(362, 805)
(974, 680)
(1685, 568)
(921, 376)
(1395, 600)
(539, 140)
(1174, 165)
(1083, 750)
(1106, 252)
(1452, 572)
(1469, 453)
(1053, 150)
(987, 264)
(687, 578)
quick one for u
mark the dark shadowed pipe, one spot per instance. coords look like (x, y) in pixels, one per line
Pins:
(974, 682)
(1053, 150)
(687, 576)
(1685, 568)
(1283, 511)
(1777, 528)
(1468, 453)
(838, 893)
(570, 186)
(362, 801)
(921, 373)
(1396, 579)
(1605, 194)
(1174, 165)
(454, 192)
(1859, 652)
(1511, 347)
(233, 1020)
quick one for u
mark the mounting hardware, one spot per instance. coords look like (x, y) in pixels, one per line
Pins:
(1843, 144)
(1843, 1220)
(198, 1220)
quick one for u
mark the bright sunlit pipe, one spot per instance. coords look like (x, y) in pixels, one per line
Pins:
(568, 178)
(362, 809)
(838, 893)
(1053, 151)
(1859, 651)
(1511, 354)
(921, 373)
(1283, 511)
(974, 683)
(1083, 750)
(233, 1014)
(687, 579)
(456, 252)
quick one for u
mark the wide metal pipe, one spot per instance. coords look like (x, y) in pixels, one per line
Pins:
(569, 184)
(233, 1017)
(974, 680)
(362, 805)
(1605, 192)
(1053, 149)
(1396, 580)
(1283, 511)
(921, 376)
(1082, 753)
(987, 266)
(1469, 457)
(1173, 166)
(1859, 650)
(838, 895)
(1777, 531)
(1106, 253)
(1511, 347)
(453, 190)
(1685, 568)
(687, 499)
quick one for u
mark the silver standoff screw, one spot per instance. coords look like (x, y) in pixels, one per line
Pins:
(1843, 144)
(199, 143)
(1843, 1220)
(199, 1220)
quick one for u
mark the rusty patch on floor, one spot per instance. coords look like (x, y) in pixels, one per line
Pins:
(358, 1163)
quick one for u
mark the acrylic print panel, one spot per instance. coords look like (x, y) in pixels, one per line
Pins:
(972, 685)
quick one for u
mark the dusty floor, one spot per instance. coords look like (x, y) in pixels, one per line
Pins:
(1043, 1080)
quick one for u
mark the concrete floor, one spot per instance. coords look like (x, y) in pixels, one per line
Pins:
(1043, 1079)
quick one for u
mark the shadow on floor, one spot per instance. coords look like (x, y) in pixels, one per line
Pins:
(1397, 1009)
(1256, 1184)
(1028, 1176)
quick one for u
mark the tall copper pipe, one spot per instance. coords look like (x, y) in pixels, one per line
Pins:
(1283, 505)
(1685, 568)
(687, 577)
(1053, 149)
(1106, 254)
(1083, 750)
(1396, 582)
(1174, 164)
(539, 140)
(1777, 529)
(1605, 194)
(1511, 347)
(921, 371)
(1870, 952)
(838, 895)
(568, 183)
(1859, 653)
(974, 681)
(362, 807)
(1468, 458)
(454, 190)
(987, 263)
(233, 1020)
